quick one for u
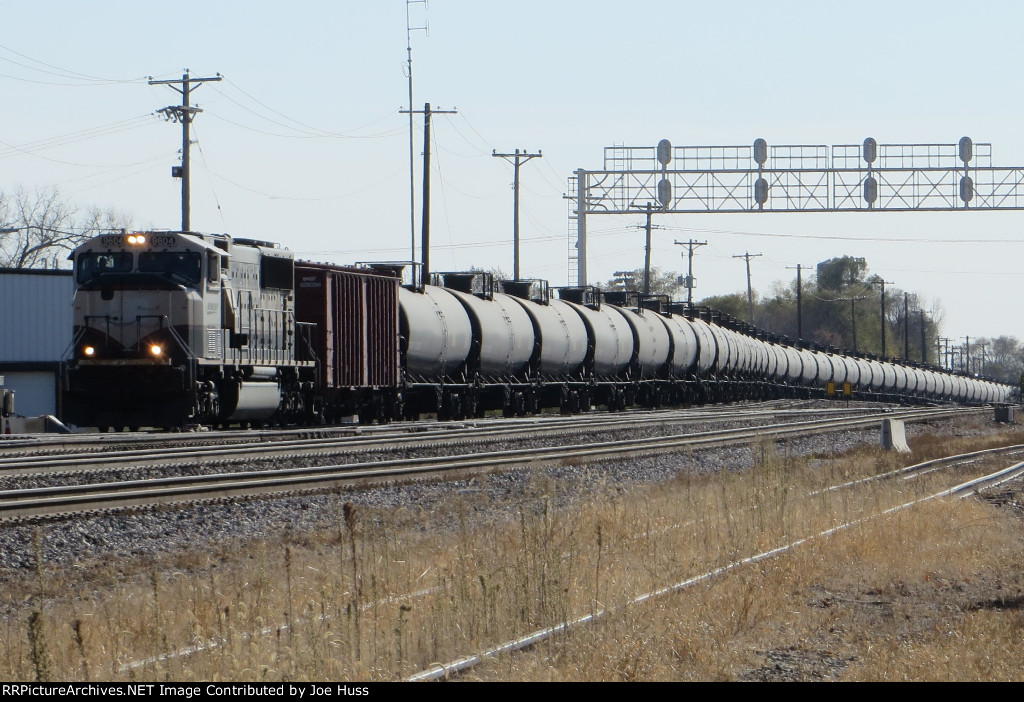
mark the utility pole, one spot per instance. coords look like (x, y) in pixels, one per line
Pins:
(425, 243)
(184, 114)
(967, 355)
(647, 250)
(799, 303)
(883, 283)
(853, 315)
(691, 245)
(519, 159)
(906, 326)
(982, 344)
(924, 345)
(750, 293)
(409, 29)
(943, 351)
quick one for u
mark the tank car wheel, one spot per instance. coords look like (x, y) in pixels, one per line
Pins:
(455, 407)
(508, 405)
(532, 402)
(102, 430)
(574, 402)
(520, 403)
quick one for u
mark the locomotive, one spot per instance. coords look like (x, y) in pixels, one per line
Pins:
(180, 328)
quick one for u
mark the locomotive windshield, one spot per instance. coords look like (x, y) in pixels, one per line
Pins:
(93, 265)
(181, 266)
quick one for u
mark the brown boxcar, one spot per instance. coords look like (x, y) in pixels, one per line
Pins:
(355, 338)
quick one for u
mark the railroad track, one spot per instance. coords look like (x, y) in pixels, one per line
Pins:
(975, 485)
(76, 499)
(443, 434)
(458, 665)
(13, 447)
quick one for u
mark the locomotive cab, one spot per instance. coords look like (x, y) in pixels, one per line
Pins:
(172, 328)
(137, 296)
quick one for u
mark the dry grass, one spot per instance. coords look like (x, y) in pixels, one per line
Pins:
(380, 595)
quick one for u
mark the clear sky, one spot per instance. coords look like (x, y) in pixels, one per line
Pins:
(303, 143)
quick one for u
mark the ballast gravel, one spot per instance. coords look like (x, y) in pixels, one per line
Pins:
(109, 537)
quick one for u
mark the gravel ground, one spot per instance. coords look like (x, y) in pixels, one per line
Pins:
(77, 542)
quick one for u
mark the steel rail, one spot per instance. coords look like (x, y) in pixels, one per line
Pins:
(78, 444)
(467, 662)
(68, 499)
(444, 671)
(464, 433)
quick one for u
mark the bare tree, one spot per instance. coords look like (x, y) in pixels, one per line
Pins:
(38, 229)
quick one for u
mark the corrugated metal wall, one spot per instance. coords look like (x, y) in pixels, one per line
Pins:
(35, 315)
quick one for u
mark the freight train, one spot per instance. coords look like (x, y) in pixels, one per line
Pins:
(179, 328)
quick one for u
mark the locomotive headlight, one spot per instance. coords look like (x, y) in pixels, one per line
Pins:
(156, 349)
(136, 239)
(89, 350)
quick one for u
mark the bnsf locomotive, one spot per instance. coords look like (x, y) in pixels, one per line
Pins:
(175, 328)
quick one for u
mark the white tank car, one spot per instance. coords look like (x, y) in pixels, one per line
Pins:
(503, 334)
(437, 332)
(562, 335)
(707, 357)
(610, 337)
(684, 344)
(651, 340)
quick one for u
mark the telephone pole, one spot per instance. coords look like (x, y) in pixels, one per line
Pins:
(982, 344)
(883, 283)
(853, 315)
(517, 160)
(924, 347)
(184, 114)
(750, 293)
(799, 305)
(425, 243)
(690, 245)
(906, 326)
(647, 250)
(409, 29)
(942, 351)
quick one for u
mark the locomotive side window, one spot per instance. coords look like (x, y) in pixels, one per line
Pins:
(182, 266)
(93, 265)
(212, 266)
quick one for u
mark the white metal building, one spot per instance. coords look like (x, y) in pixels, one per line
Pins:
(35, 333)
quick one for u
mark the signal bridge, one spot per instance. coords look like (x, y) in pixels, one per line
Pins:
(864, 177)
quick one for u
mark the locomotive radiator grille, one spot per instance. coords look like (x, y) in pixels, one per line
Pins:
(213, 343)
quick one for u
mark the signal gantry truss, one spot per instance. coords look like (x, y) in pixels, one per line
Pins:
(864, 177)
